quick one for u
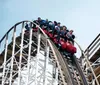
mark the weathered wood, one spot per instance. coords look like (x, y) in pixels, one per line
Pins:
(96, 71)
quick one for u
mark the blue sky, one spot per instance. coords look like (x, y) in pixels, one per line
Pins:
(83, 16)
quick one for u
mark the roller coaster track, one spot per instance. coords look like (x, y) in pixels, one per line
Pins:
(31, 58)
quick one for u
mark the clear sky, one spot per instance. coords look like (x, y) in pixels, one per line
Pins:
(83, 16)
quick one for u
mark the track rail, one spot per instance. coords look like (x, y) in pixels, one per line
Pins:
(62, 63)
(65, 66)
(83, 78)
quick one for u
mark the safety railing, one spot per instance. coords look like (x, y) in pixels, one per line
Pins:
(93, 47)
